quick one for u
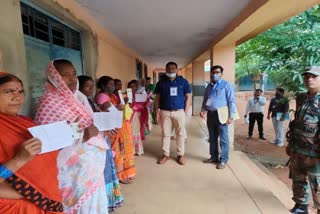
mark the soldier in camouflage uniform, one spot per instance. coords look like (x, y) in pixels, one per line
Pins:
(304, 144)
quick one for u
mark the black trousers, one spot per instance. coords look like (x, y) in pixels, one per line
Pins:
(253, 117)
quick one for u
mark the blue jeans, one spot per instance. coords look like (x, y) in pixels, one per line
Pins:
(278, 129)
(216, 129)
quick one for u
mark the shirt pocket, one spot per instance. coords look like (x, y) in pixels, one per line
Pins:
(220, 92)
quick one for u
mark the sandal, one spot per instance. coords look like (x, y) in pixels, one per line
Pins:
(126, 181)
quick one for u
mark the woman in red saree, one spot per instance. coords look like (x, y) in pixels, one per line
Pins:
(122, 142)
(27, 184)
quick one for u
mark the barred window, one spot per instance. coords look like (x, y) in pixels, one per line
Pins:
(43, 27)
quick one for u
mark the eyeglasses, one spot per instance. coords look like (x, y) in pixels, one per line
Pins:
(215, 72)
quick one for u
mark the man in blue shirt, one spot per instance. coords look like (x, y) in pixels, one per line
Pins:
(219, 94)
(173, 98)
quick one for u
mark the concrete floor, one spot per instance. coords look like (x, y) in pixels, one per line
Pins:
(195, 187)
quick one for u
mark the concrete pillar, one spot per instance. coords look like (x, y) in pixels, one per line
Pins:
(225, 56)
(197, 85)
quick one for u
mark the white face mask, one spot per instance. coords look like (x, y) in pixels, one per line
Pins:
(171, 75)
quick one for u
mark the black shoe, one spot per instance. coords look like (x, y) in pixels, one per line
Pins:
(221, 165)
(210, 161)
(300, 209)
(262, 138)
(249, 137)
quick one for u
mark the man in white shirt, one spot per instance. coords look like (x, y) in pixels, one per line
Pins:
(255, 108)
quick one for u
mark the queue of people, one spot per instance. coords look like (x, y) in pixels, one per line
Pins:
(82, 178)
(86, 176)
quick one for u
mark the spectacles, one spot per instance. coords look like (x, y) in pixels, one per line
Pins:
(216, 72)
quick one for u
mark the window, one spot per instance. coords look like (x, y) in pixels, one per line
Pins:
(43, 27)
(58, 34)
(207, 65)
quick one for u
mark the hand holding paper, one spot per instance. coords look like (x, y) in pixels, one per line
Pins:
(279, 116)
(90, 132)
(28, 150)
(108, 120)
(53, 136)
(141, 98)
(129, 95)
(121, 97)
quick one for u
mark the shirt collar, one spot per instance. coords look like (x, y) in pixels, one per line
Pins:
(216, 82)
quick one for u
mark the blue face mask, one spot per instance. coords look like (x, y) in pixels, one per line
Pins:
(215, 77)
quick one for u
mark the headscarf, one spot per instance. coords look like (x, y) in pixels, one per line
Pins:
(59, 98)
(81, 165)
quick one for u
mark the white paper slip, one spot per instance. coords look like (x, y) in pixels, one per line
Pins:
(129, 95)
(141, 98)
(279, 115)
(53, 136)
(121, 97)
(108, 120)
(112, 108)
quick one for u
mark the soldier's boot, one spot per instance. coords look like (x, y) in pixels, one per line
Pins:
(300, 209)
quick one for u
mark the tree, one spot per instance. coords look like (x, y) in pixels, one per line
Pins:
(283, 52)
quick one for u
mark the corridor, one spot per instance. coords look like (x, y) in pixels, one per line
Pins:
(195, 187)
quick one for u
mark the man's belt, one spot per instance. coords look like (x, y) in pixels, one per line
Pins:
(171, 109)
(211, 111)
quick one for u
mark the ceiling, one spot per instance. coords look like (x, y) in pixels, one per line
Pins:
(165, 30)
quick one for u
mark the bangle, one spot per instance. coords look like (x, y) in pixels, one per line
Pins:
(5, 172)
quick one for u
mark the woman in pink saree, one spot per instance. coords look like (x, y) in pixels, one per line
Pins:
(80, 166)
(122, 142)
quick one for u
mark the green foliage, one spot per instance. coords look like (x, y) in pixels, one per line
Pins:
(283, 52)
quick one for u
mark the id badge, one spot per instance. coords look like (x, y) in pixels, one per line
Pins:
(173, 91)
(209, 101)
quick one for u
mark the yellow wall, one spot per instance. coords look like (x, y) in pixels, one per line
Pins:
(12, 51)
(103, 53)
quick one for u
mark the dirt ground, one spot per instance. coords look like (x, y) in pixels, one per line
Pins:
(270, 155)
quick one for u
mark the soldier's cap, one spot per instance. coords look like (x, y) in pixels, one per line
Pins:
(315, 70)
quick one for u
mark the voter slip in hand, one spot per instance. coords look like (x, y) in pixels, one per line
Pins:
(54, 136)
(108, 120)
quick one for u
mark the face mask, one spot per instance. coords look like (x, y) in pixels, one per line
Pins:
(215, 78)
(110, 89)
(171, 75)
